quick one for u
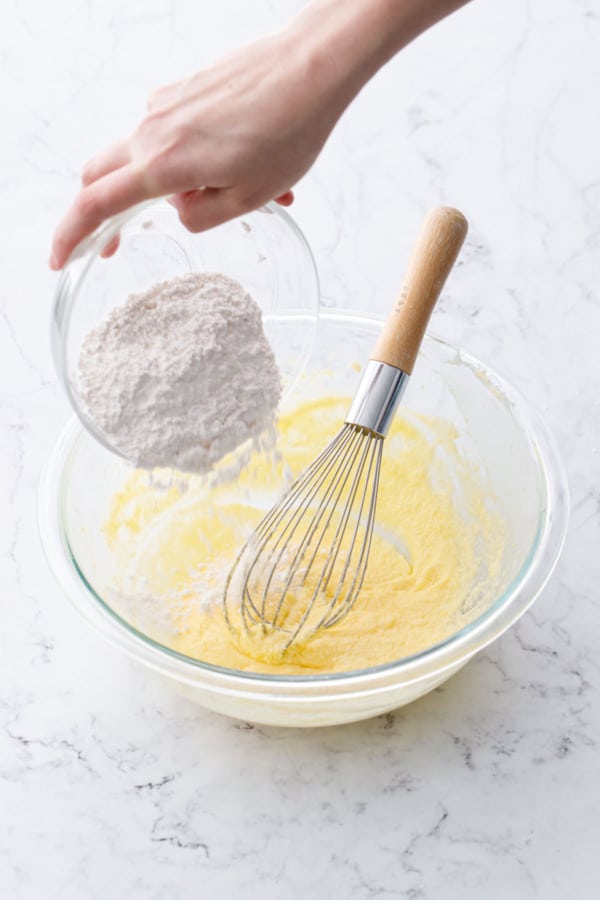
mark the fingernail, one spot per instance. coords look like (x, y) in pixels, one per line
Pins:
(53, 261)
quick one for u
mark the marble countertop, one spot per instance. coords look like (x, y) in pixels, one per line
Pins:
(113, 786)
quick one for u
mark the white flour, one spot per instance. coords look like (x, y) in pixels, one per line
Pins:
(181, 374)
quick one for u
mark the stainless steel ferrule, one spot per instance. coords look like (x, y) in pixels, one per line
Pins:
(378, 395)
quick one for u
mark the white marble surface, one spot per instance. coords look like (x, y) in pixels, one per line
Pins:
(113, 786)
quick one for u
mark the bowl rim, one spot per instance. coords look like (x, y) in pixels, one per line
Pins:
(446, 655)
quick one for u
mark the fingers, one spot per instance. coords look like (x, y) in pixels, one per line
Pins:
(114, 157)
(200, 210)
(112, 184)
(105, 197)
(203, 209)
(112, 247)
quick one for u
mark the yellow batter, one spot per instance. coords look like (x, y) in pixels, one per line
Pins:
(173, 548)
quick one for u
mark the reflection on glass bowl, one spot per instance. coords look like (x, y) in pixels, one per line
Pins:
(498, 431)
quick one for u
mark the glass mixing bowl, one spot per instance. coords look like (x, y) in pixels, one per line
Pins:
(264, 250)
(497, 430)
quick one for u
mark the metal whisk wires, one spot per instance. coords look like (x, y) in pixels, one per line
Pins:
(304, 566)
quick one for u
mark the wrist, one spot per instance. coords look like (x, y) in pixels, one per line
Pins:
(345, 42)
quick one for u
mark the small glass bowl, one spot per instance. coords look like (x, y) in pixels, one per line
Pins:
(264, 250)
(498, 430)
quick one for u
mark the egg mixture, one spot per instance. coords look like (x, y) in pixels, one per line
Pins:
(435, 560)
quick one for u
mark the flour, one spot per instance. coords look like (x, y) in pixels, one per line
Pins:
(181, 374)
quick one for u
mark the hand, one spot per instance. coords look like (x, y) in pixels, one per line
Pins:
(222, 142)
(246, 129)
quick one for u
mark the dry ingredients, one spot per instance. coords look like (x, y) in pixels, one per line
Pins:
(181, 374)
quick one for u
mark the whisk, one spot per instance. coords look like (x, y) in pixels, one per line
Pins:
(303, 567)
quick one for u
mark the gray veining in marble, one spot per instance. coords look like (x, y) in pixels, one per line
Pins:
(113, 786)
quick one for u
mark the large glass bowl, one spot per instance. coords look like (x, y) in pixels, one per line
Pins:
(264, 250)
(498, 430)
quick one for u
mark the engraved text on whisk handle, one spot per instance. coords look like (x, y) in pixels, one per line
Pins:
(378, 395)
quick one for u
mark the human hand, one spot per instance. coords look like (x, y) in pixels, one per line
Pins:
(225, 141)
(244, 130)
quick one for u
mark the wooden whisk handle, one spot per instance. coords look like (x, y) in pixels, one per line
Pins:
(433, 256)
